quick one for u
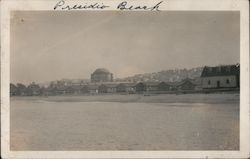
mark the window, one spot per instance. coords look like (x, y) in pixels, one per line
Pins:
(227, 81)
(209, 82)
(228, 68)
(218, 84)
(218, 69)
(210, 69)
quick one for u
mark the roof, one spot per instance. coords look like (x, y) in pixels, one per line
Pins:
(101, 70)
(167, 83)
(226, 70)
(152, 83)
(184, 81)
(109, 85)
(92, 86)
(126, 84)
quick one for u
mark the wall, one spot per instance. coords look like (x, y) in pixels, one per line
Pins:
(101, 77)
(222, 79)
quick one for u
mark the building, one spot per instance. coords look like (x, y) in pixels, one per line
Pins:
(140, 87)
(111, 88)
(220, 77)
(185, 85)
(101, 75)
(84, 89)
(93, 89)
(121, 87)
(102, 89)
(152, 86)
(164, 86)
(125, 87)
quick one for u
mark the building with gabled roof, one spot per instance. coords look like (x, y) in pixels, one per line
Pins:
(107, 88)
(185, 84)
(126, 87)
(152, 86)
(165, 86)
(227, 76)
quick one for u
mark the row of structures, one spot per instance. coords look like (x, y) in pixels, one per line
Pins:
(212, 79)
(220, 78)
(112, 87)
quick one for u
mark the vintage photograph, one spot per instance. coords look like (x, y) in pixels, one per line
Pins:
(137, 81)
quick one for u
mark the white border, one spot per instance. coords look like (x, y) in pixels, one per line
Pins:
(181, 5)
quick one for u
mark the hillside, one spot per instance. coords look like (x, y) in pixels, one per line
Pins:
(173, 75)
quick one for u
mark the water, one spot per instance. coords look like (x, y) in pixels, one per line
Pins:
(57, 123)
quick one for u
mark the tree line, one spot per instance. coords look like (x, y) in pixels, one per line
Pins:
(30, 90)
(54, 88)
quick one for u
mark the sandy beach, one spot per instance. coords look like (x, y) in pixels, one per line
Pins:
(125, 122)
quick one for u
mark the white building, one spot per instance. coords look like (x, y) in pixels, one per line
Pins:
(220, 77)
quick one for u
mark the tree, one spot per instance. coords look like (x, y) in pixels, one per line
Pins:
(13, 89)
(21, 89)
(33, 89)
(43, 91)
(52, 89)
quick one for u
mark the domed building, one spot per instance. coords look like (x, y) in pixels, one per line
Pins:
(101, 75)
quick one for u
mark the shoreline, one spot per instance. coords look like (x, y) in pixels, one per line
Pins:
(138, 98)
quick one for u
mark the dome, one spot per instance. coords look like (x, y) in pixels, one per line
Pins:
(101, 70)
(101, 75)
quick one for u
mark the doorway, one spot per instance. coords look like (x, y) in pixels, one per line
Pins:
(218, 84)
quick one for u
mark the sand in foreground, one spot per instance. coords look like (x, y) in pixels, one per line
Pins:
(64, 123)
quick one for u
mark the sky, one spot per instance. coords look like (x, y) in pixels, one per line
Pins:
(47, 45)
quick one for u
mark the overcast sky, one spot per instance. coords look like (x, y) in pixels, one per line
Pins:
(49, 46)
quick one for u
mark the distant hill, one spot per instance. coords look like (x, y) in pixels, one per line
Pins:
(69, 81)
(174, 75)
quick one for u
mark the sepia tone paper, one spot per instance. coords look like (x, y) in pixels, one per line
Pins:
(43, 42)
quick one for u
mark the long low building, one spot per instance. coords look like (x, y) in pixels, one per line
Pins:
(121, 87)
